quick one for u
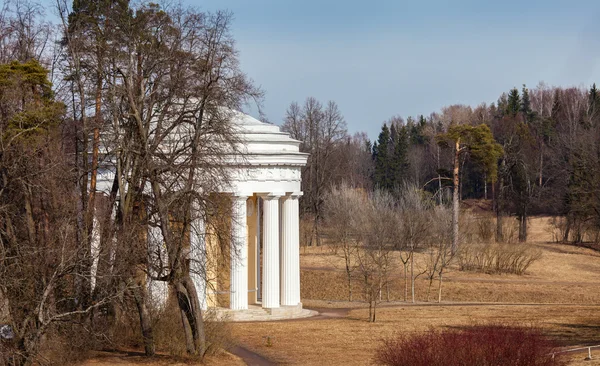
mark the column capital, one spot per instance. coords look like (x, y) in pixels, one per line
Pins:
(295, 195)
(271, 195)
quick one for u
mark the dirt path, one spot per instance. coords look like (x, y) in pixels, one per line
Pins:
(251, 358)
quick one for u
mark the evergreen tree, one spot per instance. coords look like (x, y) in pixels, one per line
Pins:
(502, 105)
(399, 161)
(593, 105)
(381, 157)
(528, 114)
(513, 105)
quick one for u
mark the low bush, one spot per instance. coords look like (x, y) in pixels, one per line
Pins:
(169, 336)
(497, 258)
(489, 345)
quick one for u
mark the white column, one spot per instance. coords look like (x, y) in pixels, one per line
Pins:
(270, 278)
(239, 255)
(290, 252)
(198, 259)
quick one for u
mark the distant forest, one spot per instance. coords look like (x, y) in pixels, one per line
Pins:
(550, 163)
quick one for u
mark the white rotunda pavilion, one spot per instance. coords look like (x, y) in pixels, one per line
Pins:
(265, 188)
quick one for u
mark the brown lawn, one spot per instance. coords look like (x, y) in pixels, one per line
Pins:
(558, 293)
(351, 340)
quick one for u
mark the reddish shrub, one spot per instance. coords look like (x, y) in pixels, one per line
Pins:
(490, 345)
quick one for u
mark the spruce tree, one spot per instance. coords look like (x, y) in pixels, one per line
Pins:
(381, 157)
(399, 161)
(513, 105)
(593, 105)
(528, 114)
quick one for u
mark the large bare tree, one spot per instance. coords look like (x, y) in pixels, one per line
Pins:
(168, 80)
(321, 129)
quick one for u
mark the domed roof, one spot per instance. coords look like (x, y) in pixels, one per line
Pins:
(265, 143)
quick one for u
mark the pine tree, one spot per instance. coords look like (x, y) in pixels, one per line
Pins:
(513, 105)
(528, 114)
(480, 144)
(381, 157)
(502, 105)
(399, 161)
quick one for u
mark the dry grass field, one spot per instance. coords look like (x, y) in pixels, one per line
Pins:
(558, 293)
(350, 340)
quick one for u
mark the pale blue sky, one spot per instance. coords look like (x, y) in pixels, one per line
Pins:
(377, 59)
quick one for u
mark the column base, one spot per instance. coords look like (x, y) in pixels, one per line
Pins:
(258, 314)
(285, 310)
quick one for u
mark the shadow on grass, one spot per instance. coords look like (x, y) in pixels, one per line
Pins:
(137, 357)
(575, 334)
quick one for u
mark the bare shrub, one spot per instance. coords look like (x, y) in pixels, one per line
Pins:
(486, 228)
(557, 227)
(8, 350)
(439, 253)
(342, 205)
(218, 334)
(67, 344)
(469, 229)
(306, 232)
(497, 258)
(477, 228)
(510, 230)
(169, 335)
(412, 230)
(377, 224)
(481, 345)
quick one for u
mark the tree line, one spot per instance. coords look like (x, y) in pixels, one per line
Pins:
(530, 152)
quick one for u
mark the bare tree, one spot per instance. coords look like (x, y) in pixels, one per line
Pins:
(177, 81)
(24, 35)
(373, 260)
(412, 230)
(342, 209)
(321, 129)
(438, 248)
(164, 83)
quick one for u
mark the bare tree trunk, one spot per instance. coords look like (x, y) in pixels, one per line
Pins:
(374, 311)
(499, 209)
(439, 177)
(145, 321)
(541, 163)
(568, 228)
(440, 288)
(455, 198)
(387, 289)
(523, 228)
(412, 277)
(429, 288)
(485, 187)
(187, 330)
(194, 314)
(349, 278)
(405, 282)
(370, 305)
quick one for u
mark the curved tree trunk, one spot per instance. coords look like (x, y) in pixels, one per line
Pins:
(145, 321)
(190, 306)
